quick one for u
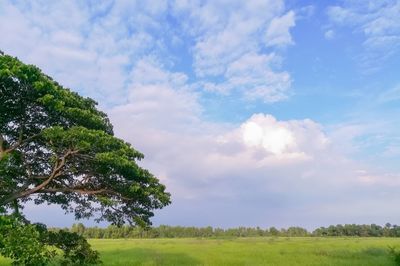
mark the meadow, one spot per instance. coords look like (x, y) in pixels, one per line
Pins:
(245, 251)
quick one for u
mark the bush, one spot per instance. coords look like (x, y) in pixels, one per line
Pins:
(32, 244)
(395, 253)
(22, 242)
(74, 246)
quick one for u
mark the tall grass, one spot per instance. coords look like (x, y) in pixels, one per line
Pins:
(246, 251)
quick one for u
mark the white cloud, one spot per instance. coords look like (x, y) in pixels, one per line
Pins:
(82, 46)
(154, 93)
(230, 33)
(278, 30)
(98, 44)
(294, 140)
(114, 51)
(254, 75)
(200, 161)
(378, 21)
(215, 171)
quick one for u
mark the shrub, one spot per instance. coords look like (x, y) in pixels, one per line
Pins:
(395, 253)
(32, 244)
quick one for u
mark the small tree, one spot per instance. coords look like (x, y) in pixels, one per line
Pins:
(57, 148)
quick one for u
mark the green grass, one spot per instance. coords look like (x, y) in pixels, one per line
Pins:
(245, 251)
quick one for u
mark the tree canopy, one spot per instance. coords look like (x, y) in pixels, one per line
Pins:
(56, 147)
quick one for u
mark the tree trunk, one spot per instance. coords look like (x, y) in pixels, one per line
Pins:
(16, 207)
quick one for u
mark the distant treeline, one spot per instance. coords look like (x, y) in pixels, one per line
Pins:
(164, 231)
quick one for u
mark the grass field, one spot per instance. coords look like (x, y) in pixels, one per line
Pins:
(245, 251)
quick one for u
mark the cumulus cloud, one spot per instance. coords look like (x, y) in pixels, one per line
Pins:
(154, 93)
(278, 31)
(83, 46)
(299, 139)
(218, 172)
(228, 35)
(254, 75)
(98, 44)
(259, 171)
(223, 32)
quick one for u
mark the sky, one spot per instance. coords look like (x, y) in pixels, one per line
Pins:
(252, 113)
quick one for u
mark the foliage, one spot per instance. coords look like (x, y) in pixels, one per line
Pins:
(33, 244)
(76, 250)
(57, 148)
(363, 230)
(395, 253)
(56, 145)
(165, 231)
(22, 242)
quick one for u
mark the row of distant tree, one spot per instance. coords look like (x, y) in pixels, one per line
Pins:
(164, 231)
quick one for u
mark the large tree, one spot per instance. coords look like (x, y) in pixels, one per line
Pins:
(57, 148)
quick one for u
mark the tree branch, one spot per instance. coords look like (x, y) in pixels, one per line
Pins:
(16, 145)
(83, 191)
(55, 173)
(72, 190)
(1, 144)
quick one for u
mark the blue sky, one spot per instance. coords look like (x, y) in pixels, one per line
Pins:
(254, 113)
